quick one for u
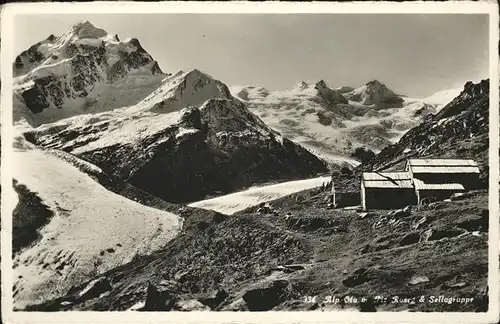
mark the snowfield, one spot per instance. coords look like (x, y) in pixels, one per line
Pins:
(333, 130)
(92, 229)
(232, 203)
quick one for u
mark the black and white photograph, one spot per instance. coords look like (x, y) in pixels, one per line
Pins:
(234, 162)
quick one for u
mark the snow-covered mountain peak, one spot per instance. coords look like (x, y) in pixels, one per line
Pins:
(373, 92)
(231, 115)
(375, 83)
(86, 29)
(196, 75)
(324, 121)
(183, 89)
(86, 70)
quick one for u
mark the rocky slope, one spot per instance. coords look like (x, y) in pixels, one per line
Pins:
(86, 70)
(213, 145)
(263, 261)
(459, 130)
(332, 123)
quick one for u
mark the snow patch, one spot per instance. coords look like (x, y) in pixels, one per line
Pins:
(186, 131)
(232, 203)
(88, 221)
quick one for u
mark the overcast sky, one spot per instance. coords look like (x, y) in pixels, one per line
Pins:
(416, 55)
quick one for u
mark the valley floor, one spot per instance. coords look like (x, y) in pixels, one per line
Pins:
(273, 260)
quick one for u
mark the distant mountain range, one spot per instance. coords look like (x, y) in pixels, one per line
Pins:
(88, 71)
(333, 122)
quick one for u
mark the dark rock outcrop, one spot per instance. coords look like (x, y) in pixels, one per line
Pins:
(363, 154)
(435, 234)
(29, 215)
(157, 300)
(214, 300)
(267, 297)
(329, 95)
(356, 278)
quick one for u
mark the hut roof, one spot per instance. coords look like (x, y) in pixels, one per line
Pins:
(387, 180)
(442, 166)
(421, 185)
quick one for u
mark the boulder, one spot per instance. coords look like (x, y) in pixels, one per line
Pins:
(265, 208)
(365, 215)
(288, 268)
(420, 223)
(158, 300)
(367, 306)
(462, 195)
(313, 306)
(190, 305)
(435, 234)
(408, 209)
(457, 196)
(416, 280)
(458, 285)
(294, 267)
(214, 299)
(282, 269)
(399, 213)
(137, 306)
(267, 297)
(237, 305)
(410, 238)
(356, 278)
(476, 223)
